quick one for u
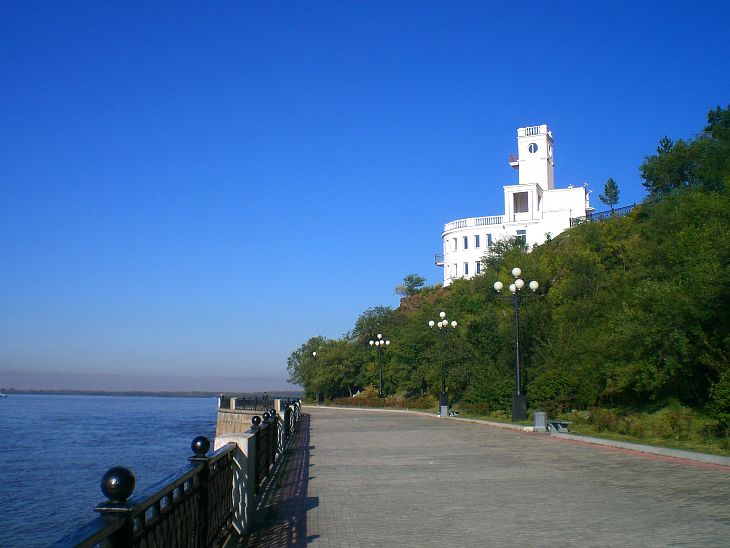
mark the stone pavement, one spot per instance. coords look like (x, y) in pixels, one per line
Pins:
(369, 478)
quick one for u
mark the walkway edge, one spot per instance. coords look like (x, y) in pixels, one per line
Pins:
(650, 449)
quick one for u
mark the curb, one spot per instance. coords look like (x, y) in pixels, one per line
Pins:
(650, 449)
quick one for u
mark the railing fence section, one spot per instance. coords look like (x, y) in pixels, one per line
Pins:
(195, 507)
(602, 215)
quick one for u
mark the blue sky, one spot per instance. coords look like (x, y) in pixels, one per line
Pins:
(190, 190)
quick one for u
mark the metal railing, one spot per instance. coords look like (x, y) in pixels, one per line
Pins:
(602, 215)
(251, 404)
(191, 508)
(248, 402)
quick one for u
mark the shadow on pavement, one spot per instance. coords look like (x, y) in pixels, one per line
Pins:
(281, 519)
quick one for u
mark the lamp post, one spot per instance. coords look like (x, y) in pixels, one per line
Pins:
(319, 392)
(443, 325)
(519, 404)
(379, 343)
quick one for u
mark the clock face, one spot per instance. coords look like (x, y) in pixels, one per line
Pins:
(532, 147)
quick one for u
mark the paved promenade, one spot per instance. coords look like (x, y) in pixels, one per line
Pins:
(365, 478)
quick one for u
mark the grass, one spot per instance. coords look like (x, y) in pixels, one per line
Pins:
(672, 426)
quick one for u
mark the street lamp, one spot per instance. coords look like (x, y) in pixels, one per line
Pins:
(379, 343)
(443, 325)
(519, 404)
(319, 392)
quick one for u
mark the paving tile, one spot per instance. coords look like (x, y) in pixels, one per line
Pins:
(385, 479)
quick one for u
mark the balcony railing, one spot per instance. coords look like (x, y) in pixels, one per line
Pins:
(600, 216)
(474, 221)
(439, 259)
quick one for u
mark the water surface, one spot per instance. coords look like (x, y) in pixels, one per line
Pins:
(55, 450)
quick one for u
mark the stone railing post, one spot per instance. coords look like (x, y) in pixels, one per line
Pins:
(244, 478)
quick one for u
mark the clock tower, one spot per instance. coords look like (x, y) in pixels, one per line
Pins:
(535, 157)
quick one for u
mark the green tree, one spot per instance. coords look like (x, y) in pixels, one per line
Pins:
(610, 193)
(302, 365)
(411, 285)
(703, 161)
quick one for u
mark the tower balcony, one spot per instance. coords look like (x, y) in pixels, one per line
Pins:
(439, 259)
(514, 161)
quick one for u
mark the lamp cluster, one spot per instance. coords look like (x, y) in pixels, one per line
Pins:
(379, 341)
(443, 323)
(518, 284)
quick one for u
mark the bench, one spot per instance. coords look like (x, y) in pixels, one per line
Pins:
(558, 426)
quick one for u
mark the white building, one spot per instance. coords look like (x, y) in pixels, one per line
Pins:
(533, 208)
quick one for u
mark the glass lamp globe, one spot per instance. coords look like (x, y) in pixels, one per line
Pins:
(516, 272)
(498, 286)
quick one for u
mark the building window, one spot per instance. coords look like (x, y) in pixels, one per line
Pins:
(466, 242)
(455, 272)
(478, 267)
(476, 240)
(522, 235)
(489, 240)
(466, 269)
(520, 199)
(454, 245)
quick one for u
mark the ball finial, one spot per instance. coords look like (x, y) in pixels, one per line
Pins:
(200, 446)
(117, 484)
(255, 420)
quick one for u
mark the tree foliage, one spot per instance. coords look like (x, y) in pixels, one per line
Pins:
(610, 193)
(634, 310)
(411, 285)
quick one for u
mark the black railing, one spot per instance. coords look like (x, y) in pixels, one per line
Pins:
(602, 215)
(251, 404)
(191, 508)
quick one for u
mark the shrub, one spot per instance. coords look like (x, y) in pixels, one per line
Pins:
(553, 391)
(370, 399)
(603, 419)
(719, 405)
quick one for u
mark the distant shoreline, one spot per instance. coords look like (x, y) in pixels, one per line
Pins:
(155, 393)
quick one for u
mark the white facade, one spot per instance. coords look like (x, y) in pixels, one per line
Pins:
(533, 208)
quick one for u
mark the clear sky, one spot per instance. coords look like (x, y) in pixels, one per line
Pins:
(190, 190)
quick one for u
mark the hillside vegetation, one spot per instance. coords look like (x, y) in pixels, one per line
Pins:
(632, 311)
